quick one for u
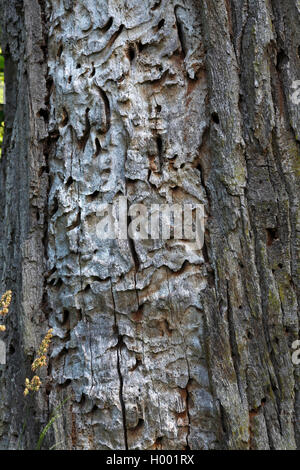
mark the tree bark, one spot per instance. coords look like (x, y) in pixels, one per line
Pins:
(157, 346)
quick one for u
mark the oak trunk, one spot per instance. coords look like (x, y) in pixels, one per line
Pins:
(157, 346)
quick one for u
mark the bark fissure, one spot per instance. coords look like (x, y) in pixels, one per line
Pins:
(119, 348)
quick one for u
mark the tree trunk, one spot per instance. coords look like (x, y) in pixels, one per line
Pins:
(156, 346)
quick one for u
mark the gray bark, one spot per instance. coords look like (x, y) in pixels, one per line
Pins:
(159, 347)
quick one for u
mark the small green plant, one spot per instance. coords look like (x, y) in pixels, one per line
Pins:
(54, 417)
(5, 302)
(35, 383)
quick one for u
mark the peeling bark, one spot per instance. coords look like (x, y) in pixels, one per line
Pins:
(160, 347)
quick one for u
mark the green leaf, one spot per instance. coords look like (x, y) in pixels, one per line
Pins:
(55, 416)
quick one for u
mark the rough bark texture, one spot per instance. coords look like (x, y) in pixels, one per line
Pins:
(23, 202)
(160, 347)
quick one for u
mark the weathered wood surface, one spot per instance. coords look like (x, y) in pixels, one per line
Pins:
(159, 346)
